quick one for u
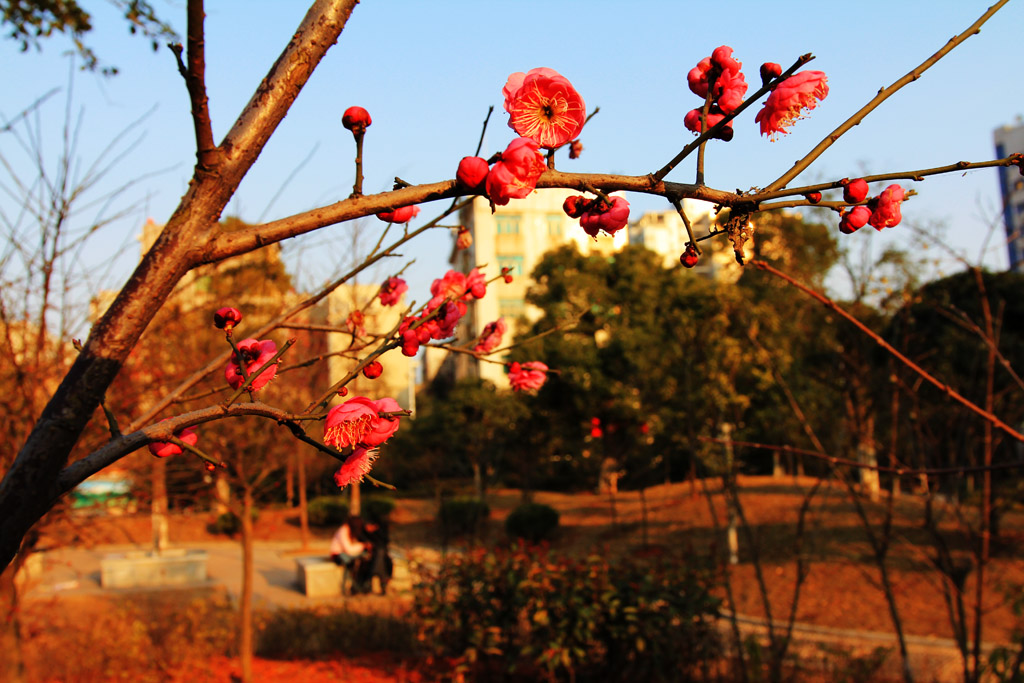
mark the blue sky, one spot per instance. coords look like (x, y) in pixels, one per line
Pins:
(428, 71)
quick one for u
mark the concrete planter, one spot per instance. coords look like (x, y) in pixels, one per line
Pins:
(137, 569)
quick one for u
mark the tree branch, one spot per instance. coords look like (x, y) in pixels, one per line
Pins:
(29, 487)
(195, 81)
(882, 95)
(945, 388)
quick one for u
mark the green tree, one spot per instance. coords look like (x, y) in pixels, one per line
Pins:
(30, 21)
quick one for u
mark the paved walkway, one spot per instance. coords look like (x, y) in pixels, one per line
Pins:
(76, 571)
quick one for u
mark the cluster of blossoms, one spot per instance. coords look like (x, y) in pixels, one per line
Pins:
(444, 310)
(721, 74)
(254, 354)
(598, 214)
(880, 212)
(490, 337)
(362, 424)
(529, 376)
(546, 112)
(513, 176)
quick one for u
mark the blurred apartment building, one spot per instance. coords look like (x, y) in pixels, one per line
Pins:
(518, 235)
(1009, 140)
(261, 291)
(515, 236)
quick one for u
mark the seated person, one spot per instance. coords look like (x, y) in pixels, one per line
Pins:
(350, 544)
(379, 564)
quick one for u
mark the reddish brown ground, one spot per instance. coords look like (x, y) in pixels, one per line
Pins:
(842, 588)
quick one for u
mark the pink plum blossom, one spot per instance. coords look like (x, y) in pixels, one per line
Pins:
(885, 212)
(490, 336)
(529, 376)
(355, 467)
(543, 105)
(790, 98)
(391, 291)
(255, 354)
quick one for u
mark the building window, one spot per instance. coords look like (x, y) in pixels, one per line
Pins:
(554, 225)
(511, 308)
(511, 261)
(507, 225)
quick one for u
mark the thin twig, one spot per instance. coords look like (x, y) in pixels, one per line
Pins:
(945, 388)
(882, 95)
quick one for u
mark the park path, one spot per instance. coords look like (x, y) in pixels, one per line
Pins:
(76, 571)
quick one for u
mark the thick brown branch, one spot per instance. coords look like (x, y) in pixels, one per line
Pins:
(29, 487)
(241, 241)
(115, 449)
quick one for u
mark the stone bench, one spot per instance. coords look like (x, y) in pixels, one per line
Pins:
(318, 577)
(138, 569)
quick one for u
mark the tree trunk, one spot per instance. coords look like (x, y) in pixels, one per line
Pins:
(289, 481)
(222, 489)
(354, 499)
(478, 481)
(303, 502)
(158, 511)
(29, 487)
(11, 666)
(245, 614)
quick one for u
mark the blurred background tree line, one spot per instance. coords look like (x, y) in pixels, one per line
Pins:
(655, 360)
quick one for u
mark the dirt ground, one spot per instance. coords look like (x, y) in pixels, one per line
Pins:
(841, 588)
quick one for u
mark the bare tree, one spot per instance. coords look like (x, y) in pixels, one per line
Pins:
(40, 474)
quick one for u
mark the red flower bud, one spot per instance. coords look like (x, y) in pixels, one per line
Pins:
(373, 370)
(854, 220)
(575, 205)
(770, 70)
(689, 257)
(210, 467)
(813, 197)
(855, 191)
(472, 172)
(575, 149)
(343, 391)
(356, 119)
(402, 214)
(463, 240)
(226, 318)
(508, 279)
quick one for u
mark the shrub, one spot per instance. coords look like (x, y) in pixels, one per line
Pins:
(533, 522)
(327, 511)
(133, 637)
(306, 633)
(537, 615)
(377, 508)
(462, 516)
(229, 523)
